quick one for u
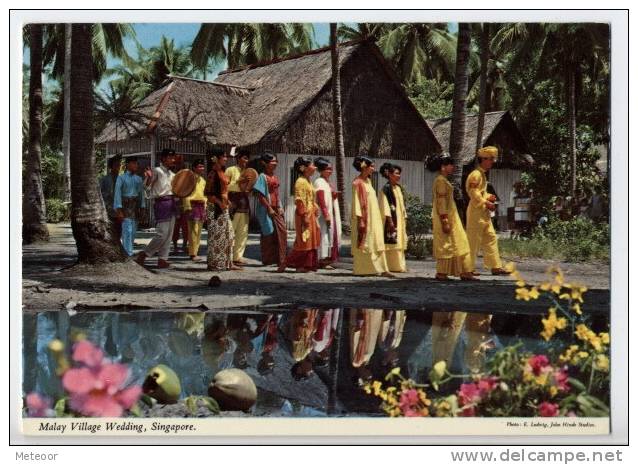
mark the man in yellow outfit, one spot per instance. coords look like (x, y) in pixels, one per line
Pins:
(239, 205)
(480, 231)
(194, 207)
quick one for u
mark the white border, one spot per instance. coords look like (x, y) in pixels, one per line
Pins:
(619, 170)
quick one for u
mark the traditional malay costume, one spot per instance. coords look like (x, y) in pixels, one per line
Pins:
(129, 197)
(480, 230)
(394, 215)
(450, 249)
(165, 209)
(301, 329)
(365, 325)
(239, 212)
(307, 235)
(220, 229)
(367, 228)
(273, 229)
(329, 216)
(195, 208)
(391, 334)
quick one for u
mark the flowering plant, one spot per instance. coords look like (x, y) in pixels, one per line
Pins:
(570, 381)
(95, 386)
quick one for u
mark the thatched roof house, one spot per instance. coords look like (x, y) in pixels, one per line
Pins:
(499, 130)
(285, 106)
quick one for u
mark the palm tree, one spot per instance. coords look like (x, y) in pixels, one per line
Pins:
(118, 105)
(457, 128)
(570, 50)
(362, 31)
(419, 50)
(34, 222)
(248, 43)
(485, 57)
(89, 222)
(340, 152)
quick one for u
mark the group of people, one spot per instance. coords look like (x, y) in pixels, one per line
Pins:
(221, 198)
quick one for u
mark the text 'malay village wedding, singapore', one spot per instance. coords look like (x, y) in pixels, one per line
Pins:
(311, 220)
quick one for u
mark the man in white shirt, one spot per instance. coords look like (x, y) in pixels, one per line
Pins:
(158, 186)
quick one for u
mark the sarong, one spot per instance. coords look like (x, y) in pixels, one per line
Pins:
(220, 240)
(274, 247)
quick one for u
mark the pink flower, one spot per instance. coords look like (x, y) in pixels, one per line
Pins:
(547, 409)
(560, 379)
(468, 411)
(409, 398)
(537, 363)
(37, 405)
(487, 385)
(96, 389)
(469, 393)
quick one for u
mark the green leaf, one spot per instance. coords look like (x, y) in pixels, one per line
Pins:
(191, 404)
(60, 407)
(136, 411)
(575, 383)
(211, 404)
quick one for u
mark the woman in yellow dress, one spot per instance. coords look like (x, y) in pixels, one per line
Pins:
(307, 234)
(394, 216)
(450, 246)
(367, 245)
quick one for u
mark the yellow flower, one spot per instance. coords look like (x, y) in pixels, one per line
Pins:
(602, 362)
(581, 332)
(582, 354)
(569, 354)
(545, 286)
(376, 387)
(533, 293)
(576, 308)
(604, 337)
(553, 391)
(367, 388)
(522, 293)
(56, 345)
(520, 283)
(551, 324)
(439, 368)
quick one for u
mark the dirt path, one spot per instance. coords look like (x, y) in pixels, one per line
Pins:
(51, 282)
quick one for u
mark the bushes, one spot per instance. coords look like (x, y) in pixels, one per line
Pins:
(579, 239)
(57, 211)
(419, 224)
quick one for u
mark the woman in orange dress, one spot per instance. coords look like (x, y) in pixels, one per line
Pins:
(308, 236)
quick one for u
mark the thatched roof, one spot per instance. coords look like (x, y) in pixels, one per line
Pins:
(187, 108)
(496, 124)
(259, 104)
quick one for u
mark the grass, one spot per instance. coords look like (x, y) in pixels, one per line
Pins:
(535, 247)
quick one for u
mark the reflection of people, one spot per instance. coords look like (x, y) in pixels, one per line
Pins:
(324, 335)
(446, 328)
(367, 246)
(307, 235)
(194, 207)
(270, 214)
(301, 329)
(393, 215)
(220, 230)
(239, 205)
(480, 230)
(127, 201)
(450, 246)
(329, 214)
(390, 335)
(107, 188)
(158, 184)
(365, 325)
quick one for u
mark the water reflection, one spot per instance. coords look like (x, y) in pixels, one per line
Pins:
(304, 361)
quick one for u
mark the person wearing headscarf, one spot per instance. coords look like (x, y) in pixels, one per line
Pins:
(367, 246)
(270, 214)
(394, 214)
(220, 230)
(329, 214)
(307, 235)
(449, 241)
(480, 230)
(239, 204)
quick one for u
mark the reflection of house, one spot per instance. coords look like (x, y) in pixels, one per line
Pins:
(285, 107)
(499, 130)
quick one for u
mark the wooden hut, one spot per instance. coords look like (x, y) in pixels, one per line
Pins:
(285, 107)
(500, 130)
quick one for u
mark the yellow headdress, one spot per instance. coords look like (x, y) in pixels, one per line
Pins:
(488, 152)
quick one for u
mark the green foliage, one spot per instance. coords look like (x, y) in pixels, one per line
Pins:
(57, 211)
(419, 224)
(432, 98)
(579, 239)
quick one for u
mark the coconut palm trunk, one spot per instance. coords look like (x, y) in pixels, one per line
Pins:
(340, 152)
(67, 101)
(485, 57)
(89, 222)
(571, 114)
(34, 219)
(457, 129)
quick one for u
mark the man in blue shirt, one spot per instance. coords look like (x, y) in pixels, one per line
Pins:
(128, 200)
